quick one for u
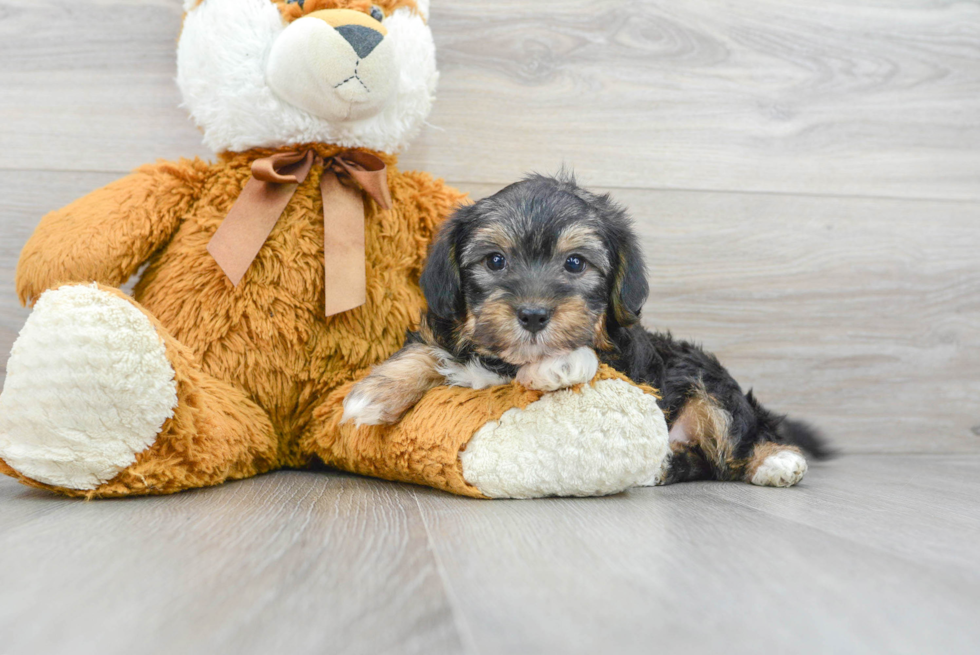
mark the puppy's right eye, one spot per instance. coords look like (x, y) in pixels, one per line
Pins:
(496, 261)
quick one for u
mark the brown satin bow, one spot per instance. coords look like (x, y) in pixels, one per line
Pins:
(265, 196)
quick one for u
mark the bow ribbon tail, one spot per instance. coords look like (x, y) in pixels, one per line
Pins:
(345, 281)
(263, 200)
(344, 262)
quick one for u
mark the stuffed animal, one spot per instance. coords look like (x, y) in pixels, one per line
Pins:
(271, 280)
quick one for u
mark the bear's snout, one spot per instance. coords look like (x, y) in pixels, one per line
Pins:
(336, 64)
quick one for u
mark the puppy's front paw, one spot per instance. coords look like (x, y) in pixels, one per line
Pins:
(561, 371)
(366, 405)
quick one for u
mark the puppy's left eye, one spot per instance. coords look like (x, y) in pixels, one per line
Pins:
(376, 13)
(496, 261)
(574, 264)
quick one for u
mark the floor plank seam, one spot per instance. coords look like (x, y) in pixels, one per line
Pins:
(462, 626)
(499, 183)
(745, 192)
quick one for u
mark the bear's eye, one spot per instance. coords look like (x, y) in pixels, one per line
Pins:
(496, 261)
(574, 264)
(376, 13)
(296, 2)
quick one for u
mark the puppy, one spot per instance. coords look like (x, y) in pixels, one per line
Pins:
(542, 281)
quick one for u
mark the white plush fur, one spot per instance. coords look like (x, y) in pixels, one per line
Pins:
(561, 371)
(222, 60)
(599, 440)
(782, 469)
(88, 386)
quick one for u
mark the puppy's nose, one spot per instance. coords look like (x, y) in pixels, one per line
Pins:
(533, 319)
(362, 39)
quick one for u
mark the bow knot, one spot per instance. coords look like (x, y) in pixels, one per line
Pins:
(274, 180)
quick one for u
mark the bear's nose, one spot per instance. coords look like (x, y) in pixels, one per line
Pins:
(533, 319)
(362, 39)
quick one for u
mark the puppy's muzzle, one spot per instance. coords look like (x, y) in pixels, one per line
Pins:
(533, 319)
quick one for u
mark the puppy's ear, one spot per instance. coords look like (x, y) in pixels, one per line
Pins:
(629, 287)
(440, 279)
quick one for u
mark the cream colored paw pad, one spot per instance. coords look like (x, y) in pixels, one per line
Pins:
(601, 440)
(88, 387)
(782, 469)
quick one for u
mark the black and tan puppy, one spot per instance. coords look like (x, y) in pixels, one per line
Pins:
(532, 283)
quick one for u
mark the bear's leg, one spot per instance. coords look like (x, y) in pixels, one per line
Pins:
(506, 441)
(101, 401)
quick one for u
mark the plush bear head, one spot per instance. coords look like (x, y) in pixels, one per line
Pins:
(273, 73)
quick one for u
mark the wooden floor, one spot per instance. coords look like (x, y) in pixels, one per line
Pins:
(872, 554)
(806, 181)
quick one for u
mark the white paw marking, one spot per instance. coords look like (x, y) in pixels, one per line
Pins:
(362, 409)
(561, 371)
(472, 374)
(782, 469)
(88, 387)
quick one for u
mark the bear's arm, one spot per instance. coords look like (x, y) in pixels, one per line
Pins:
(107, 235)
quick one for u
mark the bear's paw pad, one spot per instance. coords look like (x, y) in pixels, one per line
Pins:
(88, 387)
(599, 440)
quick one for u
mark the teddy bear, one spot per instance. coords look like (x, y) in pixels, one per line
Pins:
(273, 278)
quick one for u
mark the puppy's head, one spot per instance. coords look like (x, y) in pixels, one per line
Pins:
(539, 268)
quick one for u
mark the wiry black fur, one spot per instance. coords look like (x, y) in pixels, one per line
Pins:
(538, 208)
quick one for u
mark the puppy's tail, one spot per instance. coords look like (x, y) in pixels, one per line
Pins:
(806, 437)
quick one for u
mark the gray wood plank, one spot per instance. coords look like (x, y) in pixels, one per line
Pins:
(924, 509)
(686, 569)
(90, 85)
(292, 562)
(845, 98)
(25, 196)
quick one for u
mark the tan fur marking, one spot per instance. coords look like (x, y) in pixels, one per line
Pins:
(495, 319)
(572, 325)
(576, 236)
(624, 316)
(399, 383)
(707, 425)
(763, 450)
(600, 340)
(494, 233)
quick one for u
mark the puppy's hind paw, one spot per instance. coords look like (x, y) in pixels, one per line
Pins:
(561, 371)
(784, 468)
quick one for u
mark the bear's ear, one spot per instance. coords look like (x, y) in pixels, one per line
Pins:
(441, 282)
